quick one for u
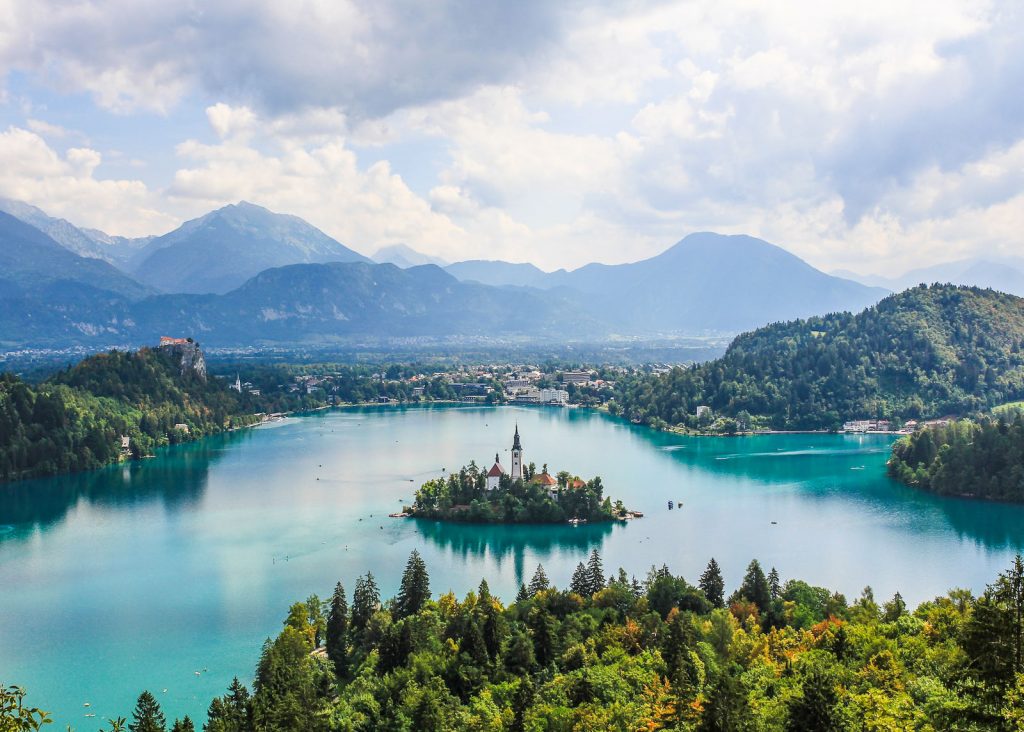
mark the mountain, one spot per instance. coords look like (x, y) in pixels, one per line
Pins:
(705, 283)
(1005, 274)
(83, 242)
(925, 352)
(498, 273)
(404, 256)
(219, 251)
(324, 302)
(301, 304)
(32, 265)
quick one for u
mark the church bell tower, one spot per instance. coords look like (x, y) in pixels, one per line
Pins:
(517, 457)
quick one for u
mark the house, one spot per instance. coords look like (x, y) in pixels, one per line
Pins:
(547, 482)
(126, 445)
(168, 341)
(182, 427)
(702, 410)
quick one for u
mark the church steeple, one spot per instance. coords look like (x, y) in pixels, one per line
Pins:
(517, 457)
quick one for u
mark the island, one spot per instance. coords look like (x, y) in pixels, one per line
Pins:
(519, 495)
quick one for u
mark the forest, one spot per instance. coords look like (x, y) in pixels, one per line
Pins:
(463, 496)
(618, 653)
(74, 420)
(979, 458)
(927, 352)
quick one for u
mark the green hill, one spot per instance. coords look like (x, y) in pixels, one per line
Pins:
(979, 458)
(75, 420)
(925, 352)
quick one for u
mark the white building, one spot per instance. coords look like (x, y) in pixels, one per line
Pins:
(575, 377)
(497, 470)
(494, 474)
(517, 457)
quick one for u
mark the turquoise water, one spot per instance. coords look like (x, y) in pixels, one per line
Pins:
(138, 576)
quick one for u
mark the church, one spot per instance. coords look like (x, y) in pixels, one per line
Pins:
(496, 471)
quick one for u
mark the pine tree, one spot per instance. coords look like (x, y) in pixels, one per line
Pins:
(539, 581)
(483, 592)
(523, 595)
(337, 632)
(183, 725)
(815, 708)
(415, 588)
(774, 585)
(147, 716)
(595, 572)
(580, 583)
(231, 712)
(893, 609)
(365, 602)
(993, 636)
(755, 587)
(712, 584)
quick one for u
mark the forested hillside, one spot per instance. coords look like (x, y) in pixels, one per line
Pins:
(618, 654)
(978, 458)
(75, 420)
(925, 352)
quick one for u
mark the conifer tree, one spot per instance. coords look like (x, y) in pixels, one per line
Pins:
(595, 572)
(755, 587)
(774, 584)
(365, 602)
(415, 588)
(580, 583)
(147, 716)
(483, 592)
(523, 595)
(183, 725)
(337, 631)
(712, 584)
(539, 581)
(231, 712)
(815, 708)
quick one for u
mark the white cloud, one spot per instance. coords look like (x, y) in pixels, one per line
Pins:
(66, 186)
(558, 133)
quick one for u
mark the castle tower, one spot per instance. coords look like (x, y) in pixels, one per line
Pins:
(517, 457)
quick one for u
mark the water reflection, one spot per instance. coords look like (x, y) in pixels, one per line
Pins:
(503, 543)
(177, 478)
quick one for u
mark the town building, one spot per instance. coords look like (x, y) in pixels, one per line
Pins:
(575, 377)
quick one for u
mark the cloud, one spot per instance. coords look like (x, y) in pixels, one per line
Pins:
(66, 186)
(560, 133)
(369, 58)
(322, 183)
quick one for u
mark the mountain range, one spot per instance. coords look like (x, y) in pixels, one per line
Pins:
(242, 275)
(1005, 274)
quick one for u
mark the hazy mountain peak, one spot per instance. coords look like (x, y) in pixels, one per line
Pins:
(222, 249)
(402, 255)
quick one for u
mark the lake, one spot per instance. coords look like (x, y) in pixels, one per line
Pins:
(139, 576)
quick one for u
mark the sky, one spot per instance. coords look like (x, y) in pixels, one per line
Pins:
(875, 136)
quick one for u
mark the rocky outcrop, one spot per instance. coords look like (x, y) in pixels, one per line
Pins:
(191, 357)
